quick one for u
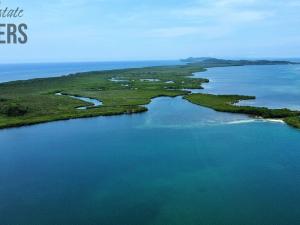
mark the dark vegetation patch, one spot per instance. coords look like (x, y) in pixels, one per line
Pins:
(11, 109)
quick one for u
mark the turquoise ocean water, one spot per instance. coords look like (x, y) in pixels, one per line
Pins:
(178, 163)
(275, 86)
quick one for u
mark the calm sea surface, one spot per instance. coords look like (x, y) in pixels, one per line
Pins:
(177, 164)
(274, 86)
(10, 72)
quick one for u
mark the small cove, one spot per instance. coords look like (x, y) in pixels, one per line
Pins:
(178, 160)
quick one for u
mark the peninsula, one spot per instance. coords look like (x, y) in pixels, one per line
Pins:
(122, 91)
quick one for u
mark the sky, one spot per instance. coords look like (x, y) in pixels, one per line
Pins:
(124, 30)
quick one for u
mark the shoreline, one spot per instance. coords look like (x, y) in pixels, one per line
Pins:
(118, 98)
(72, 68)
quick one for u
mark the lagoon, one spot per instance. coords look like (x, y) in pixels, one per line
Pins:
(275, 86)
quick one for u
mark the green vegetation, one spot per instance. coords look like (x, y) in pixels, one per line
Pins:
(34, 101)
(123, 91)
(12, 109)
(293, 121)
(225, 103)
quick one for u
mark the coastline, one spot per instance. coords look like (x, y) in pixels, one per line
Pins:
(119, 98)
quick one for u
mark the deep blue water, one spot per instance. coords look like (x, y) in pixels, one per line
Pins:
(274, 86)
(11, 72)
(177, 164)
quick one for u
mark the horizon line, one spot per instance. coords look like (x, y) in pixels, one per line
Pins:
(149, 60)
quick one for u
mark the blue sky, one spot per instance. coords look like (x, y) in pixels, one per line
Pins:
(112, 30)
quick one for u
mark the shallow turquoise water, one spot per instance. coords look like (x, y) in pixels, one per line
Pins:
(176, 164)
(275, 86)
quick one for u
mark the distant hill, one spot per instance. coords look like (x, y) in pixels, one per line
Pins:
(213, 62)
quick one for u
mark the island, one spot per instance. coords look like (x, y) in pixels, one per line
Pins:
(123, 91)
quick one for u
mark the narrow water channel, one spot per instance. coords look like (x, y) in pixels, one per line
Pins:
(93, 101)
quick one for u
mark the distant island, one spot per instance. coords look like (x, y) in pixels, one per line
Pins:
(123, 91)
(214, 62)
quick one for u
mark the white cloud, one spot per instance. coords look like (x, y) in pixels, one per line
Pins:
(173, 31)
(294, 3)
(213, 19)
(234, 3)
(225, 10)
(208, 32)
